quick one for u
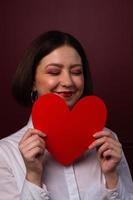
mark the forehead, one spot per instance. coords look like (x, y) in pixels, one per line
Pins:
(62, 54)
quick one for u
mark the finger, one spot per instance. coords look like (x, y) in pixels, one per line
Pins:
(31, 155)
(112, 154)
(31, 132)
(26, 149)
(103, 148)
(108, 146)
(35, 143)
(30, 140)
(102, 134)
(110, 143)
(100, 141)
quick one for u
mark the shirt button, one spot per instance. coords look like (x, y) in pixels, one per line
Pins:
(114, 195)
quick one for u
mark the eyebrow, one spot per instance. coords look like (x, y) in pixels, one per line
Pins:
(61, 65)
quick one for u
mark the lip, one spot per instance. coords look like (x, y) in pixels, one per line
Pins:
(65, 94)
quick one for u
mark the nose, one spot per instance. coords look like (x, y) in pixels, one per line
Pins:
(66, 80)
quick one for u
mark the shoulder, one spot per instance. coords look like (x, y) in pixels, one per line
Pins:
(9, 145)
(10, 157)
(15, 138)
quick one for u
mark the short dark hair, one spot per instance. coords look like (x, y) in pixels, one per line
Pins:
(43, 45)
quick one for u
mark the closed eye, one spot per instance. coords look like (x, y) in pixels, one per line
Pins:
(54, 72)
(76, 71)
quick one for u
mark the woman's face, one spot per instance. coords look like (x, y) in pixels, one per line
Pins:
(61, 73)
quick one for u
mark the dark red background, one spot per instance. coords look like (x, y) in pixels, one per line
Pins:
(105, 28)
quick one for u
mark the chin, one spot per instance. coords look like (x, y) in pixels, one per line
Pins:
(70, 104)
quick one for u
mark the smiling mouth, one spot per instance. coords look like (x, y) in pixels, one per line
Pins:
(65, 94)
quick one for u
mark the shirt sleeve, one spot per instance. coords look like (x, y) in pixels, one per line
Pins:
(8, 185)
(124, 188)
(119, 193)
(31, 191)
(9, 188)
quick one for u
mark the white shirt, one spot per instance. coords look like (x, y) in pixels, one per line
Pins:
(81, 181)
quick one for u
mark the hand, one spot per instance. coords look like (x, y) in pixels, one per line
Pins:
(32, 147)
(109, 153)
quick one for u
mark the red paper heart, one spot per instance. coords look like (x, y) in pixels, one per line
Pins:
(69, 133)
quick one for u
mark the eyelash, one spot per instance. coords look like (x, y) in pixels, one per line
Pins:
(56, 73)
(77, 72)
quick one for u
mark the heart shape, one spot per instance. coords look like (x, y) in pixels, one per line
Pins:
(69, 133)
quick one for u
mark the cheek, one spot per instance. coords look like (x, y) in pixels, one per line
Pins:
(79, 82)
(51, 83)
(45, 84)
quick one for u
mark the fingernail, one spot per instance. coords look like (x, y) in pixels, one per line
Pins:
(89, 147)
(44, 135)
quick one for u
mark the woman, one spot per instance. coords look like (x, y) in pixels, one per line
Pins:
(56, 63)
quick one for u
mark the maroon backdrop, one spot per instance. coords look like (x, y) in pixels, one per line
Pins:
(104, 28)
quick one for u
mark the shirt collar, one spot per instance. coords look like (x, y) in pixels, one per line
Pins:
(30, 124)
